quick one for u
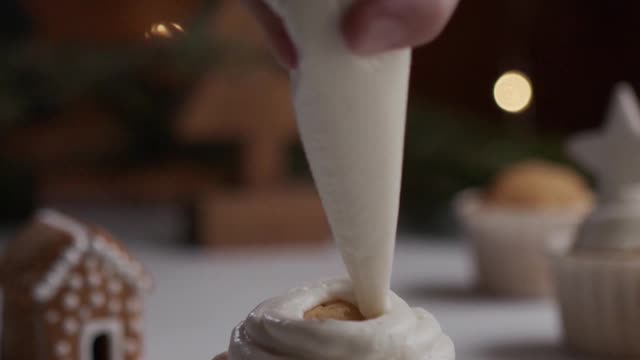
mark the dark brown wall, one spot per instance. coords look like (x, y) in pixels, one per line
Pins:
(574, 51)
(104, 21)
(581, 49)
(459, 68)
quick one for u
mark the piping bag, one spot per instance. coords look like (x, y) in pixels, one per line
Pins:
(351, 113)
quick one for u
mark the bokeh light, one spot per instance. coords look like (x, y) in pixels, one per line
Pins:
(513, 91)
(164, 30)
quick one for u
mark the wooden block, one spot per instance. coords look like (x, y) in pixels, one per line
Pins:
(252, 108)
(233, 23)
(238, 105)
(178, 182)
(264, 163)
(287, 215)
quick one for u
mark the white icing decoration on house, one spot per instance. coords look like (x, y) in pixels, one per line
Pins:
(132, 346)
(52, 316)
(100, 246)
(44, 290)
(113, 252)
(62, 348)
(70, 326)
(75, 281)
(82, 241)
(71, 301)
(115, 286)
(58, 271)
(115, 306)
(73, 256)
(70, 318)
(118, 263)
(134, 305)
(98, 299)
(94, 279)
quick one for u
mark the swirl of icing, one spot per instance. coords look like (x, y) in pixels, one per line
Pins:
(614, 225)
(276, 330)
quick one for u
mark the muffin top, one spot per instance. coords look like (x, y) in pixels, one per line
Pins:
(538, 184)
(334, 310)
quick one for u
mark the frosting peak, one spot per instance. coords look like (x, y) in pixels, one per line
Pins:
(276, 330)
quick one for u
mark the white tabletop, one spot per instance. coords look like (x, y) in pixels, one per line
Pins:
(200, 297)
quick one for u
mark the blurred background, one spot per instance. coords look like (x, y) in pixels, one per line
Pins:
(165, 110)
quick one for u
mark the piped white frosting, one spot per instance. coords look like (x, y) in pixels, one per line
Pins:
(613, 225)
(276, 330)
(351, 114)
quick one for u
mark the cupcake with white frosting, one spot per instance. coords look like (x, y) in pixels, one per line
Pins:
(351, 113)
(510, 222)
(598, 274)
(319, 322)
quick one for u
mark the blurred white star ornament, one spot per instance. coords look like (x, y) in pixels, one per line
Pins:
(613, 153)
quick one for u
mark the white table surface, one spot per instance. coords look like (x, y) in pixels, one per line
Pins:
(199, 298)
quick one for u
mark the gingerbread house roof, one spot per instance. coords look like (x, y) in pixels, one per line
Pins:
(38, 261)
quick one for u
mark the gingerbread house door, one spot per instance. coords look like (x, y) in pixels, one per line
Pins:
(102, 340)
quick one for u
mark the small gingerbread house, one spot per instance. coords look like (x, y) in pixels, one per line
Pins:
(71, 292)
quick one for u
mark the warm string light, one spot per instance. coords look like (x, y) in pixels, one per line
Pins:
(513, 91)
(164, 30)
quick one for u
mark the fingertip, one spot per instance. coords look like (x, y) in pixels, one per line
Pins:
(375, 26)
(354, 24)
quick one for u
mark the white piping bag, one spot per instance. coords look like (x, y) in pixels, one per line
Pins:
(351, 113)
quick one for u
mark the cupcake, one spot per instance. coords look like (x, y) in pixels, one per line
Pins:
(598, 274)
(320, 322)
(509, 224)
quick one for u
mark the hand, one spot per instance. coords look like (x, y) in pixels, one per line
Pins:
(370, 26)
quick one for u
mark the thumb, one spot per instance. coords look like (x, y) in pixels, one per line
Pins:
(375, 26)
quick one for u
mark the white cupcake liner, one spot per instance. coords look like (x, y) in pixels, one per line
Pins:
(599, 299)
(509, 245)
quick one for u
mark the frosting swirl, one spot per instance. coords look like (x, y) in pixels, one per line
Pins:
(614, 225)
(276, 330)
